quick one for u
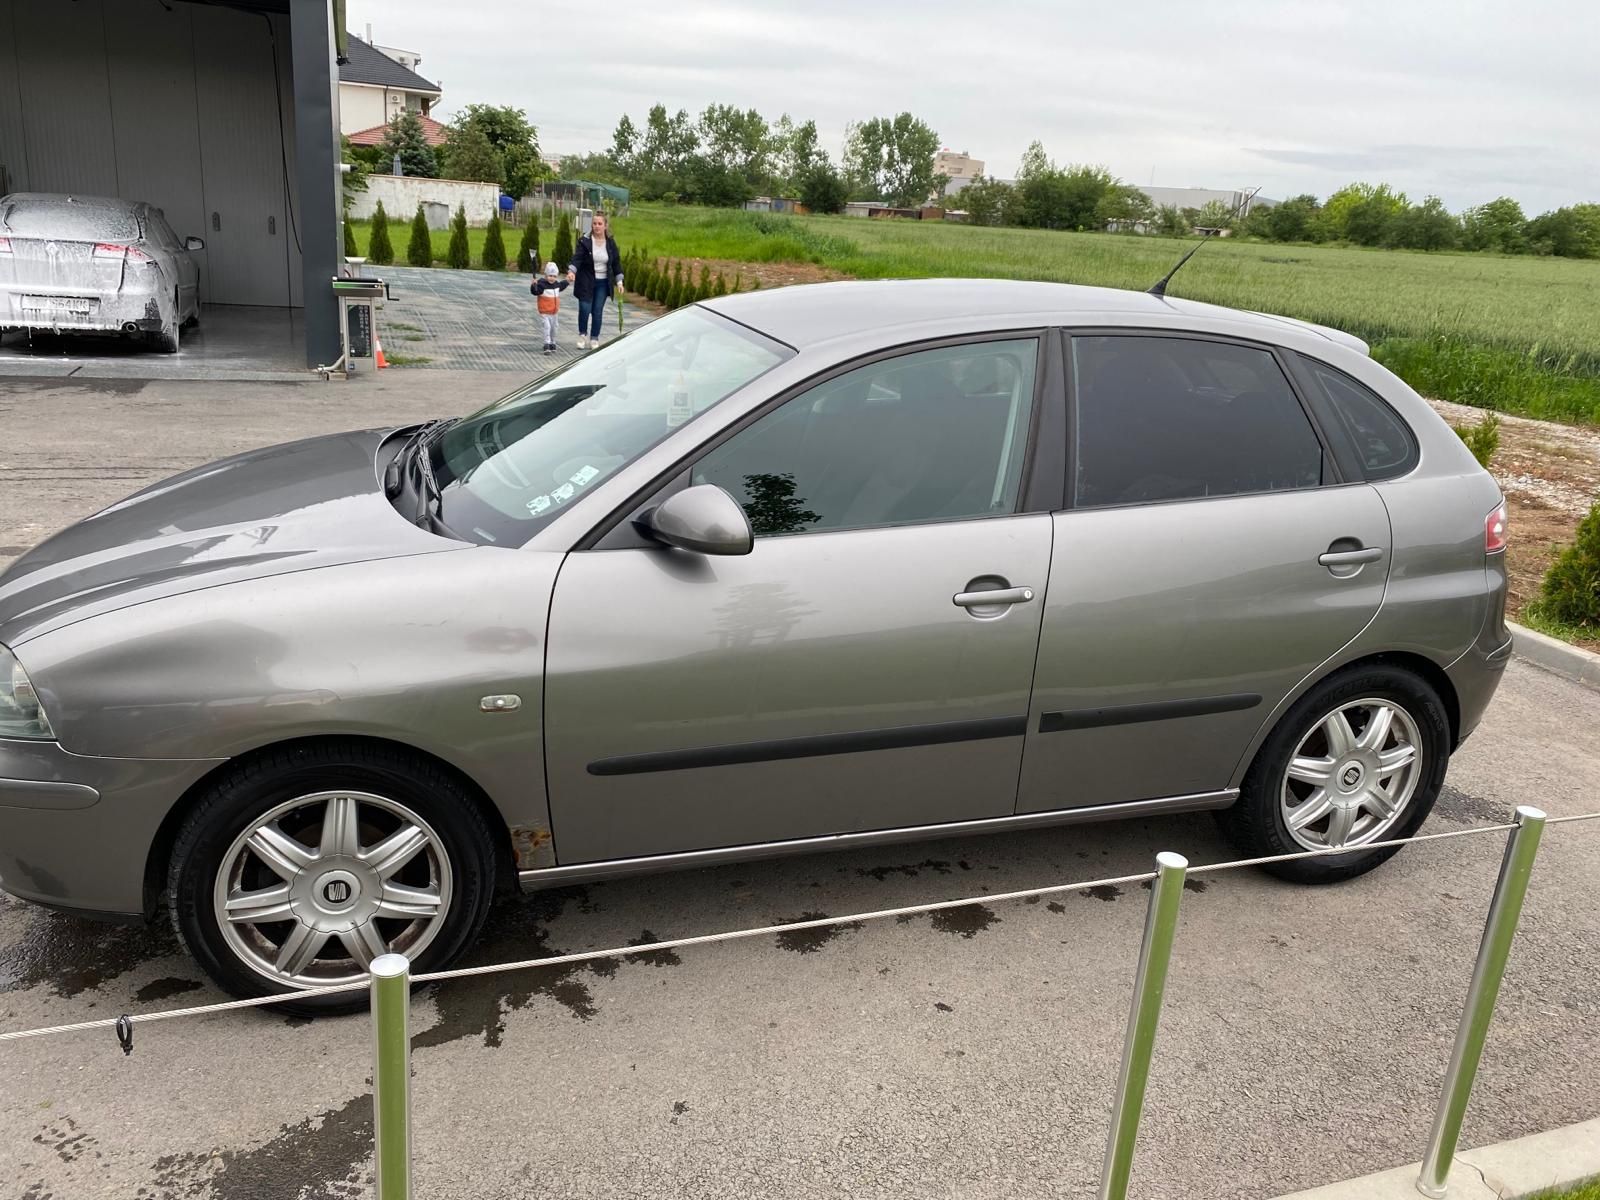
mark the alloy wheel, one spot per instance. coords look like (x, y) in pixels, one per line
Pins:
(316, 888)
(1352, 776)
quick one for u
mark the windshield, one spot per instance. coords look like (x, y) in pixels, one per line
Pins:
(508, 470)
(69, 218)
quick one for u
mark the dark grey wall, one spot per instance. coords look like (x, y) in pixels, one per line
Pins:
(316, 150)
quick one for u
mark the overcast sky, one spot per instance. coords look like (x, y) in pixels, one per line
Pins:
(1464, 99)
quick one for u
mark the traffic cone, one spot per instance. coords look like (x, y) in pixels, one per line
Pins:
(382, 361)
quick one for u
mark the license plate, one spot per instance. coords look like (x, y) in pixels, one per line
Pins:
(76, 305)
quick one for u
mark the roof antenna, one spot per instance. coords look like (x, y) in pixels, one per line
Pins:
(1160, 288)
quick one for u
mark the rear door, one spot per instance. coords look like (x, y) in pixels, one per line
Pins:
(1209, 559)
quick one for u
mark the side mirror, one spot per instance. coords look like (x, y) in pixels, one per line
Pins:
(194, 243)
(704, 519)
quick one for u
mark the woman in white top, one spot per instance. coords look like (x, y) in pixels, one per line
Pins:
(595, 271)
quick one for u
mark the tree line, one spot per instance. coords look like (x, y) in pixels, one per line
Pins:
(727, 155)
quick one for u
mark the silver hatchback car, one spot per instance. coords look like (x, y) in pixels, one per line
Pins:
(785, 571)
(91, 264)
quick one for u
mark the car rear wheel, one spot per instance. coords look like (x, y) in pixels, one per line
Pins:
(296, 869)
(166, 339)
(1358, 760)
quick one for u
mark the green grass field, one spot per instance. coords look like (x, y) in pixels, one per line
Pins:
(1514, 333)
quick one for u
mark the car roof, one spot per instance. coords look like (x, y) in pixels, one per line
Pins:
(812, 313)
(56, 199)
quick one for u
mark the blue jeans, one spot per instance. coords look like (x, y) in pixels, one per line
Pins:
(590, 311)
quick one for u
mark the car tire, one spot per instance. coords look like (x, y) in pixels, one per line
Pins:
(1315, 784)
(331, 895)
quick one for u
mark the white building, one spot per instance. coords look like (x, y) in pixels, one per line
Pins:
(961, 169)
(1239, 202)
(378, 83)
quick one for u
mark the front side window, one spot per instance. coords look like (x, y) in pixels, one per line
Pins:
(512, 467)
(937, 435)
(1163, 418)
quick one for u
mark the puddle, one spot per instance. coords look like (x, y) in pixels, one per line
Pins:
(809, 941)
(164, 989)
(72, 955)
(967, 921)
(321, 1158)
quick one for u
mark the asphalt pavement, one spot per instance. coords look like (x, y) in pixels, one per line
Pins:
(971, 1054)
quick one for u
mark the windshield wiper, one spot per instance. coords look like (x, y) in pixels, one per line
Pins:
(394, 473)
(429, 493)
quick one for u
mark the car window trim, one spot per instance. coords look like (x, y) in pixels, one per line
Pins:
(1333, 469)
(1304, 367)
(674, 476)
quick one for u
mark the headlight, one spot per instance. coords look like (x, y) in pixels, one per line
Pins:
(20, 713)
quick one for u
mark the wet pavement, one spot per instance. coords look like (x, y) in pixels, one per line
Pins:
(968, 1053)
(437, 319)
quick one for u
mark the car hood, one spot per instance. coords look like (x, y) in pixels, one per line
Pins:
(307, 504)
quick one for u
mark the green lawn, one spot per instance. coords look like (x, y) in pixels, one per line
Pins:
(1583, 1191)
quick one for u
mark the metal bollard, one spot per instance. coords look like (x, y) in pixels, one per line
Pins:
(391, 1075)
(1150, 981)
(1498, 930)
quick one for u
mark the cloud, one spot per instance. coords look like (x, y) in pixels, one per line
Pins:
(1466, 99)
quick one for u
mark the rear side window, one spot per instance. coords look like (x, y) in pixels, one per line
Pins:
(1162, 418)
(1376, 437)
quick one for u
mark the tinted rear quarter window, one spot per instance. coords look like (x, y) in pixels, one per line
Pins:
(1374, 435)
(1166, 418)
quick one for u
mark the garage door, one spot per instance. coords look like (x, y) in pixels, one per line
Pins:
(176, 105)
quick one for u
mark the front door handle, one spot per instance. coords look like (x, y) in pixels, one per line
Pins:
(1350, 558)
(995, 597)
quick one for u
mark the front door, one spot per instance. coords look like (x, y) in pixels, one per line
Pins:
(1209, 563)
(841, 677)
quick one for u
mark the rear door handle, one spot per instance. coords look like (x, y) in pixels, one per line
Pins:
(998, 596)
(1350, 558)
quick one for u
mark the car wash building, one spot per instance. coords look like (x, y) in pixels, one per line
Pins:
(222, 113)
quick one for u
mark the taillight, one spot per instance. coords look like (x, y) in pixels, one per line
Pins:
(1494, 530)
(109, 250)
(5, 245)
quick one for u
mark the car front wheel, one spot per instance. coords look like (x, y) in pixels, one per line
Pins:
(1358, 760)
(297, 869)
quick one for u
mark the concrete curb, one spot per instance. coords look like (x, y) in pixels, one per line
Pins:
(1570, 662)
(1559, 1158)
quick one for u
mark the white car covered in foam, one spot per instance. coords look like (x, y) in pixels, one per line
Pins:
(95, 265)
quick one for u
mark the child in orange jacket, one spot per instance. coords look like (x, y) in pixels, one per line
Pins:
(548, 291)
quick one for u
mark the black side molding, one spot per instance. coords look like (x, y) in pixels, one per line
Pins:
(1132, 714)
(813, 747)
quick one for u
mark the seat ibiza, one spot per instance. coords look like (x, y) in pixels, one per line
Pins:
(784, 571)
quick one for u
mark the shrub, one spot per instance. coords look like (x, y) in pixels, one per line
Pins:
(823, 190)
(674, 296)
(419, 252)
(703, 290)
(563, 250)
(1571, 592)
(738, 281)
(722, 285)
(378, 248)
(528, 252)
(459, 255)
(661, 283)
(494, 246)
(1483, 439)
(639, 277)
(350, 249)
